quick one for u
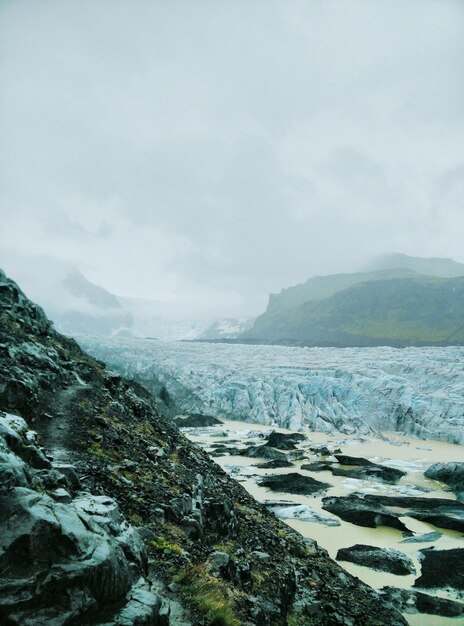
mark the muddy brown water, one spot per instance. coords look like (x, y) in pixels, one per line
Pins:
(406, 453)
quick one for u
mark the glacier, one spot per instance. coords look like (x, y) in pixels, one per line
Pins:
(415, 391)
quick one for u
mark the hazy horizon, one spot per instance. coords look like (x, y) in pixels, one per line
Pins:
(203, 155)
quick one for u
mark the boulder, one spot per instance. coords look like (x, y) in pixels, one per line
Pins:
(284, 441)
(363, 468)
(380, 559)
(374, 511)
(451, 474)
(63, 558)
(294, 483)
(410, 601)
(441, 568)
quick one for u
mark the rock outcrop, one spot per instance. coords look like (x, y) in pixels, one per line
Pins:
(441, 568)
(381, 559)
(293, 482)
(64, 555)
(451, 474)
(417, 602)
(184, 506)
(373, 511)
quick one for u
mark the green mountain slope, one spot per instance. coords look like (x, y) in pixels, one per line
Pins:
(417, 310)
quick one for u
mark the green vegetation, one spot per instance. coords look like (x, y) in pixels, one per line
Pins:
(418, 310)
(209, 595)
(161, 543)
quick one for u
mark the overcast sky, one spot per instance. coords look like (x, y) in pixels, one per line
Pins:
(210, 152)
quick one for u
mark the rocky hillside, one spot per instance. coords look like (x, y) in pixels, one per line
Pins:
(389, 307)
(71, 537)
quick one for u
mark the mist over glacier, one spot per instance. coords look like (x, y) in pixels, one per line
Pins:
(416, 391)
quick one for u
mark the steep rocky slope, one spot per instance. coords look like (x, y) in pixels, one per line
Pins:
(211, 547)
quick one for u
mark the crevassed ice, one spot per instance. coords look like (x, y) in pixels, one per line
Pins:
(418, 391)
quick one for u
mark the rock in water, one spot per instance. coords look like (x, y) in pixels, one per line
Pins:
(380, 559)
(196, 421)
(451, 474)
(374, 511)
(441, 568)
(294, 483)
(284, 441)
(416, 602)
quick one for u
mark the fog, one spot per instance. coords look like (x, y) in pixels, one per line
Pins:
(203, 154)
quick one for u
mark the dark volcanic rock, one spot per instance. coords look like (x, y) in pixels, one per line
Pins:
(357, 510)
(284, 441)
(321, 450)
(380, 559)
(294, 483)
(62, 560)
(363, 468)
(451, 474)
(125, 451)
(253, 452)
(441, 568)
(416, 602)
(196, 421)
(274, 464)
(370, 510)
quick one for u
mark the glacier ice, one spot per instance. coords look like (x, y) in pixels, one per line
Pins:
(416, 391)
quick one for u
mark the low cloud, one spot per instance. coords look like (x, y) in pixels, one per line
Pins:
(205, 154)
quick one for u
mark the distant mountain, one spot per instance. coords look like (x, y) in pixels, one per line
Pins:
(435, 266)
(394, 306)
(89, 309)
(228, 328)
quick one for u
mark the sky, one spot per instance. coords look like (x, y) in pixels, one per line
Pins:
(206, 153)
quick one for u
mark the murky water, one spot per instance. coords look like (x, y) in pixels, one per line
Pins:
(410, 455)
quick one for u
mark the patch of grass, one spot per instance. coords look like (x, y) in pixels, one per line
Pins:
(226, 546)
(161, 543)
(296, 619)
(209, 595)
(95, 449)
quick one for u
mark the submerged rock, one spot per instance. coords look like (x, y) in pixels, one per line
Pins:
(294, 483)
(380, 559)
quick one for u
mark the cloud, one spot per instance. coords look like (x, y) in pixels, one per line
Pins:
(208, 153)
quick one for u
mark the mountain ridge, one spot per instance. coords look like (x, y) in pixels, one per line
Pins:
(396, 307)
